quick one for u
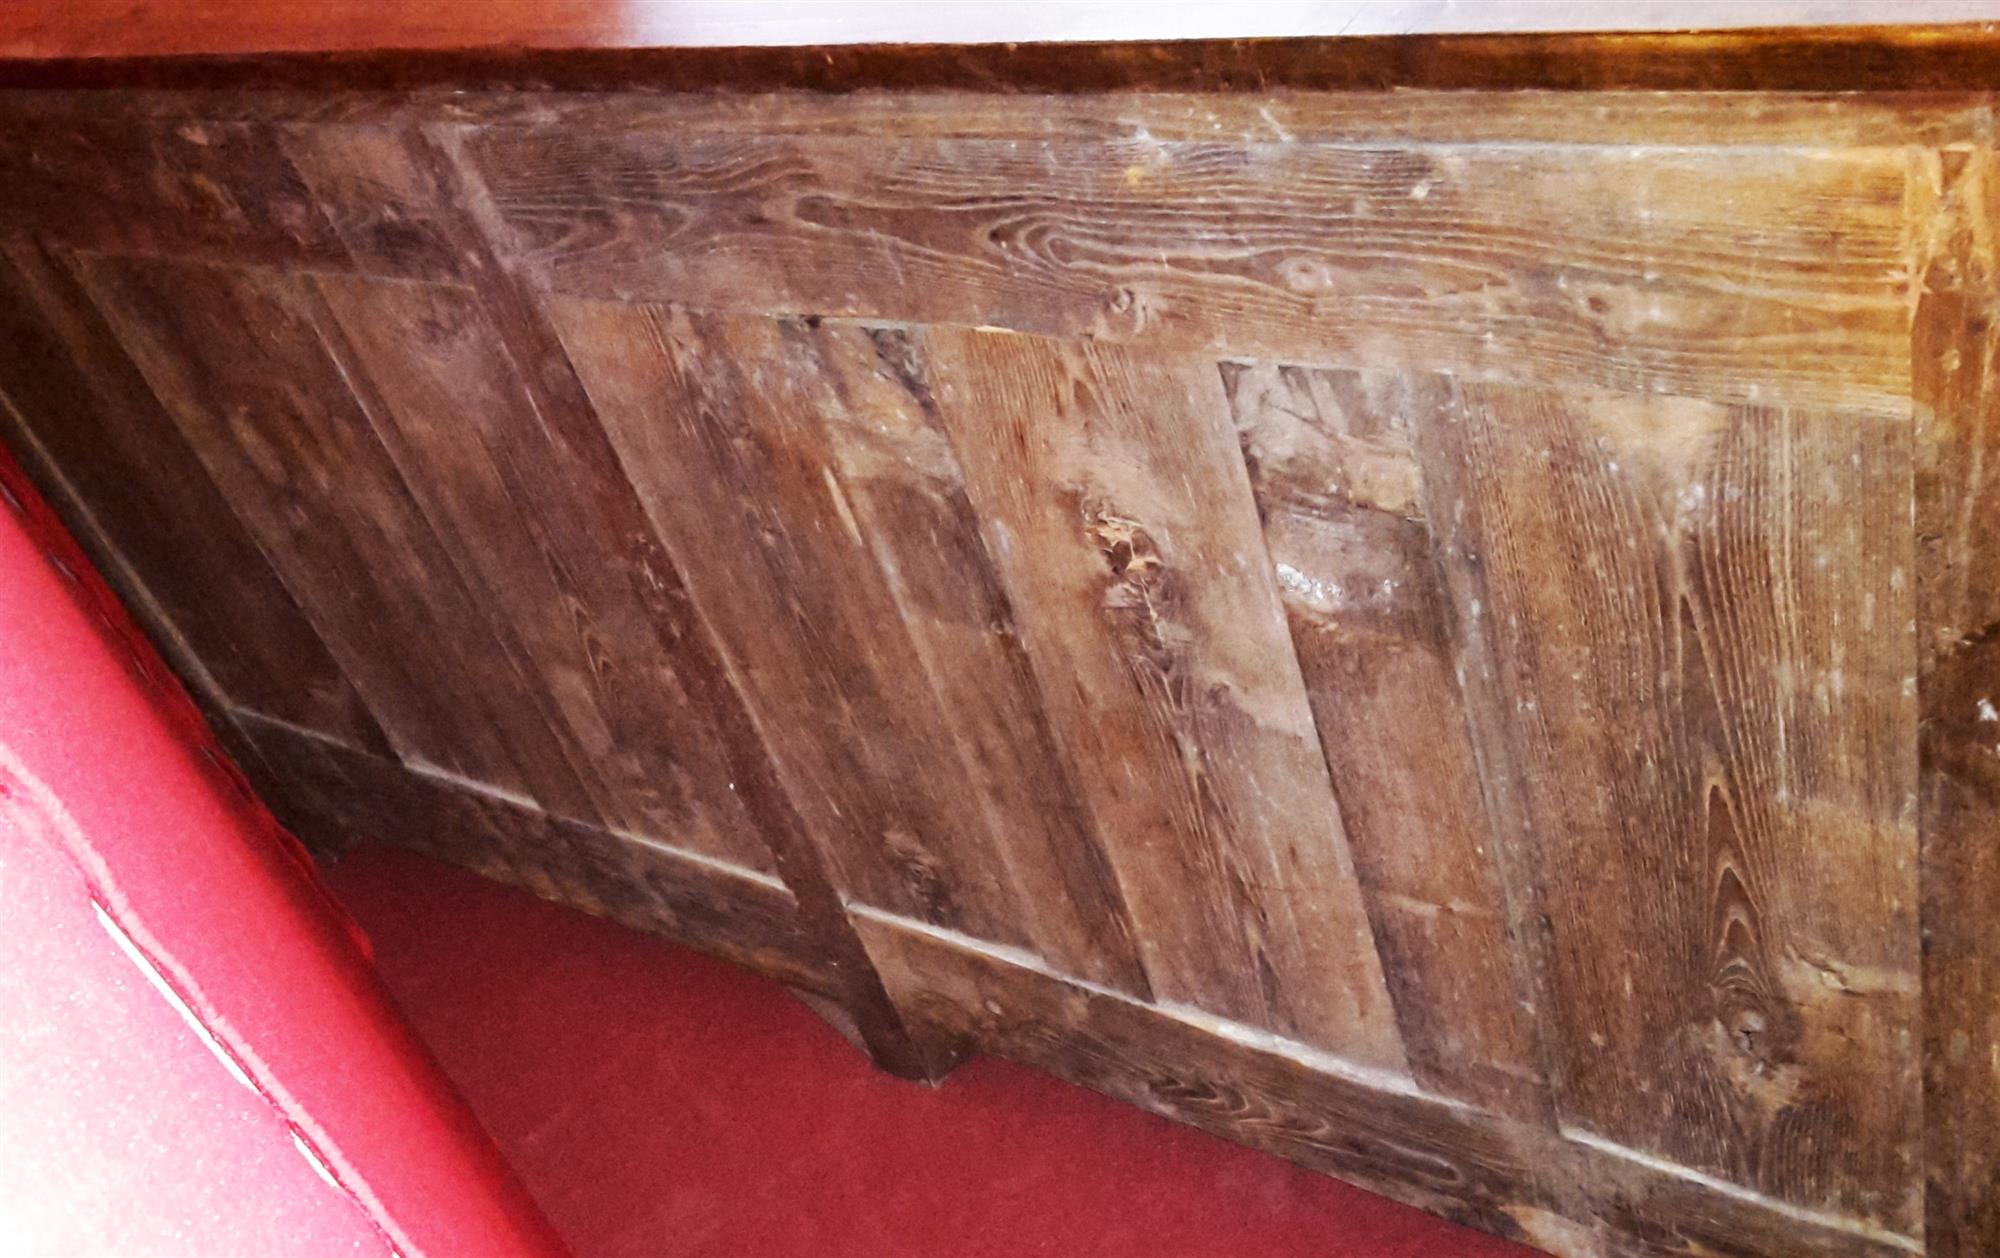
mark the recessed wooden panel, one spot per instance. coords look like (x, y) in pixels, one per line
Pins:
(1690, 632)
(898, 482)
(87, 405)
(450, 409)
(1338, 489)
(237, 361)
(1560, 264)
(715, 425)
(1117, 507)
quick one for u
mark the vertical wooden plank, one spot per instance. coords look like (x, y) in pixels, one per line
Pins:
(1118, 509)
(1337, 487)
(893, 471)
(1957, 377)
(89, 407)
(451, 411)
(713, 424)
(236, 359)
(1691, 664)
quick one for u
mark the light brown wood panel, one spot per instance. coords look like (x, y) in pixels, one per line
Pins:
(236, 359)
(1615, 267)
(1416, 116)
(713, 419)
(450, 409)
(1690, 636)
(1114, 500)
(1808, 120)
(1957, 369)
(90, 409)
(895, 478)
(1337, 486)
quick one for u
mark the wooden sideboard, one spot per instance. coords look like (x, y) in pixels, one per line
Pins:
(1430, 606)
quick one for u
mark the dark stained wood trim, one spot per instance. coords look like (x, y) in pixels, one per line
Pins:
(1861, 58)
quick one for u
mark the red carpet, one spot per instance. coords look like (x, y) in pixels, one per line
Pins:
(660, 1103)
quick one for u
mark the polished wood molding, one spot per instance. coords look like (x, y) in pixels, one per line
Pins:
(582, 57)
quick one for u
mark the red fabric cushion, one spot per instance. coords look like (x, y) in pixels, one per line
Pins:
(196, 1056)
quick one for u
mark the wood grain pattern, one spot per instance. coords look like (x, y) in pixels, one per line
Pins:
(1568, 120)
(314, 121)
(1337, 486)
(894, 475)
(379, 199)
(1416, 630)
(1118, 510)
(703, 413)
(273, 421)
(574, 448)
(1606, 267)
(1691, 640)
(1957, 368)
(221, 190)
(451, 412)
(89, 407)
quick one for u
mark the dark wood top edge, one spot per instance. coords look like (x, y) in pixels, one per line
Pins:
(1923, 58)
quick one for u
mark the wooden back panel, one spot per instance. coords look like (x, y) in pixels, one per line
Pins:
(1442, 634)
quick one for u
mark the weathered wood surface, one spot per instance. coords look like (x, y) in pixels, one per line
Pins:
(1440, 634)
(1614, 267)
(97, 419)
(450, 408)
(1338, 488)
(1694, 631)
(1121, 517)
(274, 422)
(716, 430)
